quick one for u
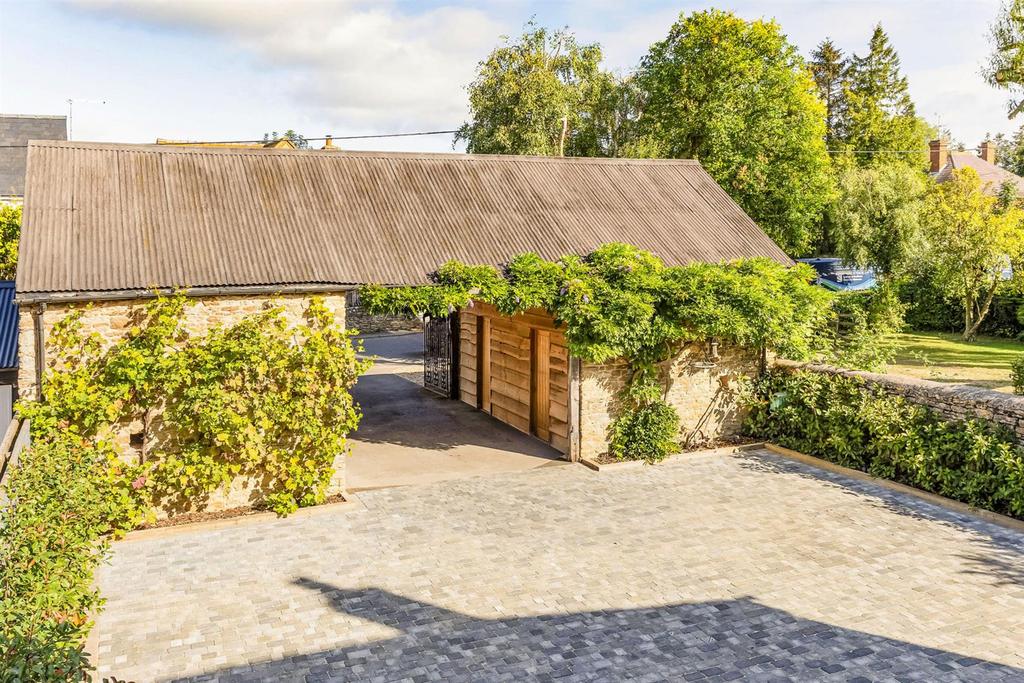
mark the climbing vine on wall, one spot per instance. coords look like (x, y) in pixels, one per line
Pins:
(260, 397)
(622, 302)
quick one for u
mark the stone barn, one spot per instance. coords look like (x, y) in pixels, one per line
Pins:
(109, 224)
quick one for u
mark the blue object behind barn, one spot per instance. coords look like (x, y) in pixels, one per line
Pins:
(8, 326)
(839, 276)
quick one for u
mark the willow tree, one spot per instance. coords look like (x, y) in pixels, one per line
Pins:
(544, 93)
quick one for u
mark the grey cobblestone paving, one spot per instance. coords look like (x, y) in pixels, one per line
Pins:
(710, 568)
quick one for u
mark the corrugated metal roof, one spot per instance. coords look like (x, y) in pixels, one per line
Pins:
(8, 326)
(103, 217)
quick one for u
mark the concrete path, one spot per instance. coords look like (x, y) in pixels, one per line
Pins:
(409, 435)
(707, 568)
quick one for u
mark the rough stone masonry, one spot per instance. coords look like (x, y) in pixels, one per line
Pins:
(111, 321)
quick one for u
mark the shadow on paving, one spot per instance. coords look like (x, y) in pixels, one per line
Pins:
(397, 411)
(1000, 553)
(717, 641)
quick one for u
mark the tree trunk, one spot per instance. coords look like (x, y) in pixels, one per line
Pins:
(974, 313)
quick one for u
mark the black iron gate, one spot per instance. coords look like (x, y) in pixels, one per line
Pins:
(441, 355)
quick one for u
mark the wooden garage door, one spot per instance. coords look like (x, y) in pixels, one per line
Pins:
(510, 376)
(519, 373)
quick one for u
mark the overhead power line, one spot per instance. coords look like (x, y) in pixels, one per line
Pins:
(323, 139)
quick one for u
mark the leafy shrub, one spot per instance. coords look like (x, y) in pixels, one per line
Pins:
(853, 424)
(650, 432)
(51, 539)
(623, 302)
(240, 400)
(259, 397)
(1017, 374)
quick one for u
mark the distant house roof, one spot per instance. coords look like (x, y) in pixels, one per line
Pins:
(278, 143)
(8, 326)
(105, 217)
(992, 175)
(838, 276)
(15, 132)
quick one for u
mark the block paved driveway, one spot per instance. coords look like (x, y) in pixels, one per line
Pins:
(708, 568)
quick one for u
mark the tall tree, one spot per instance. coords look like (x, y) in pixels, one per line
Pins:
(1005, 69)
(971, 240)
(737, 96)
(543, 94)
(882, 120)
(877, 217)
(828, 67)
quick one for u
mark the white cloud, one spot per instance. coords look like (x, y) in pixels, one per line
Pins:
(360, 64)
(357, 66)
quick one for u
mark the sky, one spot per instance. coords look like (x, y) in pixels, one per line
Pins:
(137, 70)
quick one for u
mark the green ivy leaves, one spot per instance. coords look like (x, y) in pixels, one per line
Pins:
(852, 424)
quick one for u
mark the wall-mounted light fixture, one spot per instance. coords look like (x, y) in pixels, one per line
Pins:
(711, 356)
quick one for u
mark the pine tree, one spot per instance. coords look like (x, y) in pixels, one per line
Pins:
(881, 115)
(828, 67)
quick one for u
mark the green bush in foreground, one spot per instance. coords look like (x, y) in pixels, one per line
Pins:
(52, 537)
(847, 422)
(650, 432)
(260, 397)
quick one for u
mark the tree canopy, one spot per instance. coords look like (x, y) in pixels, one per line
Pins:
(544, 94)
(1005, 68)
(736, 95)
(880, 115)
(829, 68)
(972, 240)
(876, 219)
(10, 233)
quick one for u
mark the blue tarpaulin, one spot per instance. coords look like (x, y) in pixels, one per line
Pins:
(834, 274)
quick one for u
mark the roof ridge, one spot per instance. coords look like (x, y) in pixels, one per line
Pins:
(336, 153)
(32, 116)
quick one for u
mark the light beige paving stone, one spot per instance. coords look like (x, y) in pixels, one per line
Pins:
(711, 568)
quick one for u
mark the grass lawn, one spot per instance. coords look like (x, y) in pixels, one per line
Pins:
(945, 357)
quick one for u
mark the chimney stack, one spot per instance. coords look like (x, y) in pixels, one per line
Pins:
(939, 153)
(987, 151)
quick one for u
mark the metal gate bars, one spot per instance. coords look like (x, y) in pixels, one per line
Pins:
(441, 355)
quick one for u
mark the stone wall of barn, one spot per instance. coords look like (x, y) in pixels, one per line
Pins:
(358, 318)
(112, 319)
(703, 392)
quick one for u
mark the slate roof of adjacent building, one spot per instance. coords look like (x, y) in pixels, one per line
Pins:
(15, 132)
(8, 326)
(992, 175)
(106, 217)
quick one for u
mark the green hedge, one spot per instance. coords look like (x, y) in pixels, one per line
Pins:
(856, 425)
(52, 537)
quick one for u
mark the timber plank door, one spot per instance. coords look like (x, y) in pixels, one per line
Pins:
(540, 384)
(517, 369)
